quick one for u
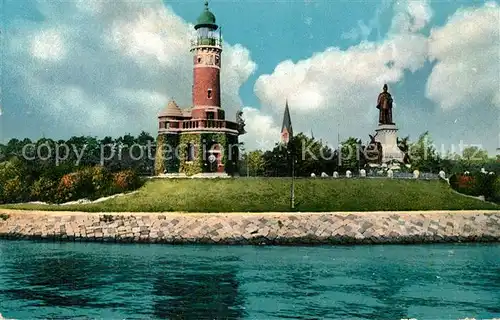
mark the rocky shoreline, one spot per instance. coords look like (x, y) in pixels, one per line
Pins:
(254, 228)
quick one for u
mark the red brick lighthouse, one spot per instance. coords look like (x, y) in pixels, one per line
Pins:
(207, 50)
(199, 139)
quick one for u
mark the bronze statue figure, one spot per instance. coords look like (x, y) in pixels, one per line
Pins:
(384, 104)
(241, 122)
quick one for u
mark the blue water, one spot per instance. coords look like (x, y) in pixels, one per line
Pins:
(40, 280)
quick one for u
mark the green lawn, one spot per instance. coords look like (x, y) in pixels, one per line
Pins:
(273, 195)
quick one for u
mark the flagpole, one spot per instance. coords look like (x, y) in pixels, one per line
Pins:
(292, 158)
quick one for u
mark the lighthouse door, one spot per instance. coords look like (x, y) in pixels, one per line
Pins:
(212, 162)
(214, 158)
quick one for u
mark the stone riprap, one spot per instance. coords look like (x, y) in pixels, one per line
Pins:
(254, 228)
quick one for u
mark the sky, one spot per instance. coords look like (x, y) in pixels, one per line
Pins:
(106, 68)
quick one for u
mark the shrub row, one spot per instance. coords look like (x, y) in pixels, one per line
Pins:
(477, 184)
(87, 183)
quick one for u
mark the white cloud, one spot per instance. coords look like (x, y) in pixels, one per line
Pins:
(466, 51)
(261, 130)
(113, 66)
(411, 16)
(48, 45)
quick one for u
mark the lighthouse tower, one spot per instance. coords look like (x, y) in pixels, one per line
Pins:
(206, 49)
(199, 141)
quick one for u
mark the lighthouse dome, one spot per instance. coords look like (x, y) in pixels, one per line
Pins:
(206, 19)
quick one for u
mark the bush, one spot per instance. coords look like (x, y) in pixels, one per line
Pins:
(90, 183)
(10, 170)
(94, 182)
(125, 180)
(477, 184)
(496, 190)
(43, 189)
(464, 184)
(13, 191)
(485, 185)
(13, 179)
(67, 188)
(101, 181)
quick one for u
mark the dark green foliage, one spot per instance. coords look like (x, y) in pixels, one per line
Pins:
(496, 190)
(88, 182)
(43, 189)
(232, 154)
(476, 184)
(166, 159)
(33, 170)
(172, 162)
(125, 180)
(4, 216)
(310, 156)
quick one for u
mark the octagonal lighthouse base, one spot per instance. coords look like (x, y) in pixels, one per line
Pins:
(387, 136)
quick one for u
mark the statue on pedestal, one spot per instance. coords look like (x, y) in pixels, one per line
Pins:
(384, 104)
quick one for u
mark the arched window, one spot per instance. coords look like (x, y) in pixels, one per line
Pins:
(209, 94)
(190, 152)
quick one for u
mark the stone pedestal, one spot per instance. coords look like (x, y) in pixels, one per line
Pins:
(387, 136)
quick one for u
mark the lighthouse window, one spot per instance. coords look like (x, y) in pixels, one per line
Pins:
(209, 94)
(216, 61)
(199, 59)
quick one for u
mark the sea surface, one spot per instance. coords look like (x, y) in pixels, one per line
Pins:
(45, 280)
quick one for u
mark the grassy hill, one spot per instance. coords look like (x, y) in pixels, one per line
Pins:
(273, 194)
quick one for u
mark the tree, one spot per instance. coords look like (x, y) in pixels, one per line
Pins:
(474, 154)
(275, 161)
(3, 156)
(256, 162)
(351, 154)
(423, 155)
(404, 146)
(310, 156)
